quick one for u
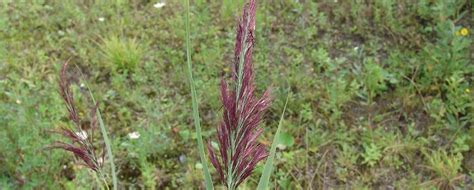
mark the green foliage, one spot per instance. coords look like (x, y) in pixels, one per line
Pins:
(107, 142)
(407, 58)
(280, 138)
(122, 54)
(374, 78)
(460, 144)
(446, 168)
(372, 154)
(285, 140)
(229, 9)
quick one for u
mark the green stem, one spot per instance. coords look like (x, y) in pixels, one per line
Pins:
(108, 147)
(100, 174)
(105, 182)
(197, 124)
(105, 137)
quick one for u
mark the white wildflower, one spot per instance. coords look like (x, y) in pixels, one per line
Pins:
(134, 135)
(101, 19)
(18, 101)
(159, 5)
(281, 147)
(82, 135)
(100, 160)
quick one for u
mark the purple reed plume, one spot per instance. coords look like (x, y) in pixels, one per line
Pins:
(81, 142)
(239, 151)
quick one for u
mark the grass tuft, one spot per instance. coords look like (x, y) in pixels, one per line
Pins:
(122, 54)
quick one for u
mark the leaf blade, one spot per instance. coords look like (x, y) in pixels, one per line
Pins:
(105, 136)
(196, 118)
(267, 170)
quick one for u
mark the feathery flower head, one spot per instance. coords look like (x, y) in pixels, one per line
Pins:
(81, 143)
(239, 152)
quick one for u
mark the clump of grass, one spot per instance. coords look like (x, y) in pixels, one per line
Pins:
(446, 169)
(82, 143)
(239, 151)
(123, 54)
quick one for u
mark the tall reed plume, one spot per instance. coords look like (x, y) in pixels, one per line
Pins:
(82, 144)
(239, 152)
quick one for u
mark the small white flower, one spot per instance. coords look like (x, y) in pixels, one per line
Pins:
(101, 19)
(281, 147)
(82, 85)
(18, 101)
(134, 135)
(82, 135)
(100, 160)
(159, 5)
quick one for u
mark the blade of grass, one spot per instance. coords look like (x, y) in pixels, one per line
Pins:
(105, 136)
(197, 124)
(106, 140)
(267, 170)
(107, 143)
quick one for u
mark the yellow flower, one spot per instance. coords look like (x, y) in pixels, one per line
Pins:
(462, 32)
(467, 90)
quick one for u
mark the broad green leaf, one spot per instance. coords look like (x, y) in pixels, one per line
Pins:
(285, 140)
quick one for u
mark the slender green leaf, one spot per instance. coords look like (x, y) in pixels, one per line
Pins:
(267, 170)
(105, 136)
(197, 124)
(107, 142)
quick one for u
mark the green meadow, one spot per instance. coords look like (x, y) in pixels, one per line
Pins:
(380, 92)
